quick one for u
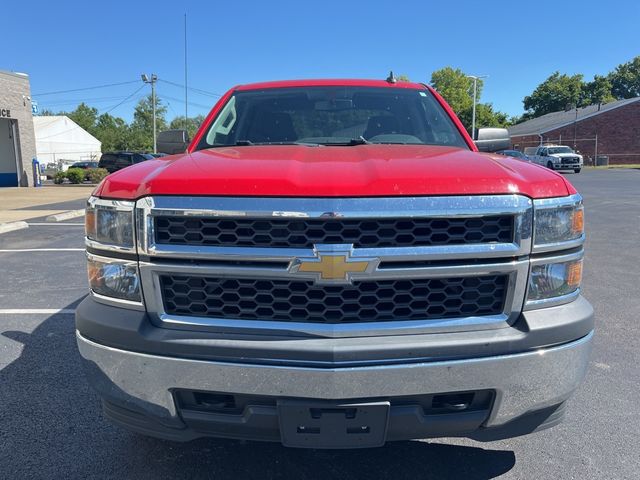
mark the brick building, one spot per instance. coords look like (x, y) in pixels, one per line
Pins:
(611, 129)
(17, 138)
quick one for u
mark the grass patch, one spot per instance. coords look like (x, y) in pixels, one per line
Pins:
(628, 165)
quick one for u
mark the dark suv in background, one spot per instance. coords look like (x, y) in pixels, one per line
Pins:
(84, 165)
(114, 161)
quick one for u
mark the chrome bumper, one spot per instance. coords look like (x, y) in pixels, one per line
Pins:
(523, 382)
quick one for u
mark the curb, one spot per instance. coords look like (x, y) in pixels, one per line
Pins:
(11, 226)
(59, 217)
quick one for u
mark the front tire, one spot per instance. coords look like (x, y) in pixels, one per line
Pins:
(550, 165)
(577, 170)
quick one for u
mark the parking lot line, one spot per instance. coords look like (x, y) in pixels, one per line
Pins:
(35, 311)
(25, 250)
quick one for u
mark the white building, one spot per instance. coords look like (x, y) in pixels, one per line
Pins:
(60, 142)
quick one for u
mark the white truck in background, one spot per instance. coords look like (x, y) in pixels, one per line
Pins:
(555, 157)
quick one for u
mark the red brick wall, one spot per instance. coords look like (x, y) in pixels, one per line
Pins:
(618, 134)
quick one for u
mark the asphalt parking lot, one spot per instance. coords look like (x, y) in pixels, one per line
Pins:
(51, 425)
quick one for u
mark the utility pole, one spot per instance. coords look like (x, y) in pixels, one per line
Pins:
(475, 96)
(575, 128)
(152, 80)
(186, 103)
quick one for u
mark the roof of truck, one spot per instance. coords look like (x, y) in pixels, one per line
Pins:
(330, 83)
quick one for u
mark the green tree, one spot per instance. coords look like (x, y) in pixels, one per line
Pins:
(403, 78)
(485, 117)
(113, 132)
(554, 94)
(141, 131)
(455, 87)
(597, 91)
(85, 116)
(193, 123)
(625, 79)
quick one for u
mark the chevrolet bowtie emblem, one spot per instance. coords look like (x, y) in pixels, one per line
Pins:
(333, 264)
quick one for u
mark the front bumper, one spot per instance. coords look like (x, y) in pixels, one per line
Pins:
(138, 390)
(567, 166)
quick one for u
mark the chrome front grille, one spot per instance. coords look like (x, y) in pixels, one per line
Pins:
(296, 301)
(428, 264)
(305, 233)
(570, 160)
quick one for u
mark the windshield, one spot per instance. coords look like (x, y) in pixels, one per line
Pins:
(555, 150)
(332, 116)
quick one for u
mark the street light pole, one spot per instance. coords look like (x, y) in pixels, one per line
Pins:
(475, 96)
(152, 81)
(473, 114)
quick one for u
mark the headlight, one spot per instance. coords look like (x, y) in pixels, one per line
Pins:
(550, 280)
(109, 228)
(114, 278)
(559, 223)
(110, 222)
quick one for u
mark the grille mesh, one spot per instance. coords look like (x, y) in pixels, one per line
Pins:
(301, 301)
(304, 233)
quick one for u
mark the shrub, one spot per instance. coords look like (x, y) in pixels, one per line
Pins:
(95, 175)
(75, 175)
(59, 177)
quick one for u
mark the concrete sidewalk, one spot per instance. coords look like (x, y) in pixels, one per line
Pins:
(18, 204)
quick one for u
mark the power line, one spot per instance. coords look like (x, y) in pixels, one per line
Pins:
(84, 89)
(193, 89)
(128, 97)
(125, 99)
(80, 100)
(53, 106)
(199, 105)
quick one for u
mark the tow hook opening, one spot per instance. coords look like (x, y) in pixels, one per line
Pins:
(455, 402)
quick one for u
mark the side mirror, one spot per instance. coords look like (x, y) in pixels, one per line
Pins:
(493, 139)
(172, 141)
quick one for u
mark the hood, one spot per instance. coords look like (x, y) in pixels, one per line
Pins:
(353, 171)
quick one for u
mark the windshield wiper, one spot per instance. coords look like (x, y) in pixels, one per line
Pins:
(350, 143)
(239, 143)
(249, 143)
(398, 143)
(307, 144)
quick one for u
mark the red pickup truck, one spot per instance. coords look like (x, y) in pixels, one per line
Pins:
(334, 264)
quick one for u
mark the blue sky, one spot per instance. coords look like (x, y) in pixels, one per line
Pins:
(76, 44)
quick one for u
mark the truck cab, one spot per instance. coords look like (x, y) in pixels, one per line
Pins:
(334, 264)
(558, 157)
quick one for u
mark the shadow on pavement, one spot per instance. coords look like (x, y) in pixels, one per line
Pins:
(51, 426)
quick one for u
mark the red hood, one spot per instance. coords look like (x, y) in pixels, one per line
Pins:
(355, 171)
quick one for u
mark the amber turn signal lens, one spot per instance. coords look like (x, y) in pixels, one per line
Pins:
(90, 223)
(574, 274)
(578, 221)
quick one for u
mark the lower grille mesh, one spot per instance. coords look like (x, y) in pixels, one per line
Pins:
(302, 301)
